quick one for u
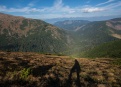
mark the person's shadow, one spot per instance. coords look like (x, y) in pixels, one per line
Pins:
(75, 68)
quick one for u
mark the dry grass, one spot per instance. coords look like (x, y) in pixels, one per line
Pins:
(38, 70)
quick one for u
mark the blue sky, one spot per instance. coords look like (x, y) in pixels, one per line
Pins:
(47, 9)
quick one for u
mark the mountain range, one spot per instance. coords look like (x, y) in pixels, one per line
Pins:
(71, 24)
(90, 34)
(96, 18)
(70, 37)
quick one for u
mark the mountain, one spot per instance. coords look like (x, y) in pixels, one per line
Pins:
(88, 35)
(71, 24)
(96, 33)
(111, 50)
(106, 34)
(101, 30)
(97, 18)
(22, 34)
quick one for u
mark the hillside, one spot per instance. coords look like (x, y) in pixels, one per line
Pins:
(90, 34)
(22, 34)
(71, 24)
(19, 69)
(110, 49)
(101, 30)
(98, 32)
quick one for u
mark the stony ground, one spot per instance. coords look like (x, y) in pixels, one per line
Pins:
(25, 69)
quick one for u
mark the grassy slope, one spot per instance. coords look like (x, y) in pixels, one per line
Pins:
(38, 70)
(110, 49)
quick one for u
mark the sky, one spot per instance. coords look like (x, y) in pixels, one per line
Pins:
(47, 9)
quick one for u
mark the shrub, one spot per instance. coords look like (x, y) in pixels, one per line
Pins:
(25, 73)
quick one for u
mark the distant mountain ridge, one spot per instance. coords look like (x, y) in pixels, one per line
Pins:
(23, 34)
(71, 24)
(97, 18)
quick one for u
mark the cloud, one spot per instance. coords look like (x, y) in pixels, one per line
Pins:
(24, 10)
(2, 8)
(112, 6)
(32, 3)
(88, 2)
(109, 1)
(59, 9)
(92, 9)
(58, 4)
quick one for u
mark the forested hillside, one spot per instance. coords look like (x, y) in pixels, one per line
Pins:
(22, 34)
(95, 33)
(109, 50)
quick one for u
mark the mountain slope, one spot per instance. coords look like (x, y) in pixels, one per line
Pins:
(26, 69)
(71, 24)
(92, 34)
(100, 32)
(96, 33)
(115, 25)
(110, 27)
(22, 34)
(110, 49)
